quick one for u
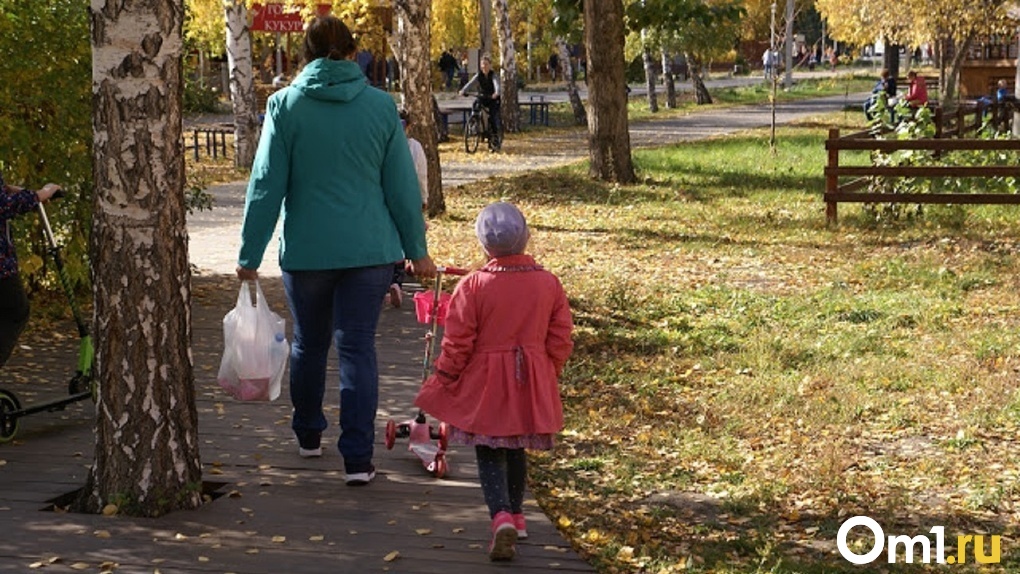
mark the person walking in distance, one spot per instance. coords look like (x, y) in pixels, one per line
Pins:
(334, 156)
(495, 382)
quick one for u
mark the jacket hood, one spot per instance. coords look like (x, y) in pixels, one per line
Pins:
(334, 80)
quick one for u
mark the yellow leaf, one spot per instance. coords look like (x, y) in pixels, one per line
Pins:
(102, 533)
(110, 510)
(279, 539)
(252, 551)
(203, 559)
(564, 522)
(317, 538)
(391, 556)
(625, 554)
(80, 566)
(424, 531)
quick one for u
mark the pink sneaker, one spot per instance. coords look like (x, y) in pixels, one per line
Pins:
(504, 536)
(520, 526)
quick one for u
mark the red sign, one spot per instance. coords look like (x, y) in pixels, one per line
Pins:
(278, 18)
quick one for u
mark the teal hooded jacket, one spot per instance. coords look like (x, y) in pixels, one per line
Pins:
(333, 156)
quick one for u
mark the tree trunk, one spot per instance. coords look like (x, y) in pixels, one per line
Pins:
(567, 71)
(413, 38)
(670, 80)
(650, 80)
(147, 452)
(701, 95)
(242, 84)
(510, 111)
(608, 135)
(950, 80)
(485, 26)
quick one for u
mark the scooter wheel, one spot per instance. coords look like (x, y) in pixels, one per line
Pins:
(440, 466)
(8, 422)
(391, 434)
(444, 436)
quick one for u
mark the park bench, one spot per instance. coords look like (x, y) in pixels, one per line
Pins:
(837, 192)
(212, 139)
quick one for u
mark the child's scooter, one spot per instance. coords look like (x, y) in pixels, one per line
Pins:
(430, 307)
(81, 386)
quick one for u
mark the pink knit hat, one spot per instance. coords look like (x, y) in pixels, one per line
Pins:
(502, 230)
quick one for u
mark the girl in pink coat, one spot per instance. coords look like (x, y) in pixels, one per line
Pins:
(495, 382)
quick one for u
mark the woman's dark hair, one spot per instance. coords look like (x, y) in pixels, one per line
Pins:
(328, 37)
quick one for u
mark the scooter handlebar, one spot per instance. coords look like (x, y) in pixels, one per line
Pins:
(452, 270)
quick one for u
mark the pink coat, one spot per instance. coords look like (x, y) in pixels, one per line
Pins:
(507, 338)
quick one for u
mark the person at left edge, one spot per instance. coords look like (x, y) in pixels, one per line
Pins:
(334, 157)
(14, 307)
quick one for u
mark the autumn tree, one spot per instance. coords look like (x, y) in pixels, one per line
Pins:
(509, 110)
(147, 451)
(568, 24)
(608, 131)
(951, 26)
(413, 41)
(46, 126)
(701, 29)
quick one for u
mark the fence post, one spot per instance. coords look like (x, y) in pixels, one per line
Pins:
(831, 180)
(194, 138)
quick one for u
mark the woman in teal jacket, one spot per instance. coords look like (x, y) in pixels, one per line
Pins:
(334, 158)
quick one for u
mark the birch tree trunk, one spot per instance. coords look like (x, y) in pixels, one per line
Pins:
(413, 39)
(147, 453)
(650, 80)
(510, 111)
(242, 83)
(567, 69)
(701, 95)
(670, 80)
(608, 135)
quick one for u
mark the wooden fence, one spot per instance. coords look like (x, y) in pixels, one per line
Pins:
(848, 191)
(212, 140)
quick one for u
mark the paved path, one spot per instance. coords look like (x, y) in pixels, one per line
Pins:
(283, 513)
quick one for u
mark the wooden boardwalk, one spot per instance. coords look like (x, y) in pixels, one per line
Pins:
(277, 513)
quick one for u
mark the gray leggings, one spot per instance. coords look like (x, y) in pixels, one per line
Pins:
(13, 314)
(503, 473)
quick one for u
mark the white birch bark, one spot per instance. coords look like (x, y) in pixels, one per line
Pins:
(413, 38)
(147, 454)
(567, 69)
(509, 111)
(242, 83)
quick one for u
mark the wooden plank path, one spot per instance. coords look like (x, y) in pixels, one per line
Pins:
(278, 513)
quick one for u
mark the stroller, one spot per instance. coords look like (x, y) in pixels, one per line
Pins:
(430, 308)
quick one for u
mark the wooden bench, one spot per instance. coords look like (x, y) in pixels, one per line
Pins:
(214, 140)
(538, 110)
(836, 192)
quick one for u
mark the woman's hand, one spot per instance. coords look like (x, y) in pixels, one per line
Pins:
(422, 268)
(245, 274)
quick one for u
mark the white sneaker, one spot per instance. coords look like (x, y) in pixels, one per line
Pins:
(360, 478)
(309, 452)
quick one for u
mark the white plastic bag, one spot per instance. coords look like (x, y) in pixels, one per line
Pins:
(255, 348)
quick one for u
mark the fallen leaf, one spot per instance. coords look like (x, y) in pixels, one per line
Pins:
(424, 531)
(391, 556)
(317, 538)
(102, 533)
(279, 539)
(110, 510)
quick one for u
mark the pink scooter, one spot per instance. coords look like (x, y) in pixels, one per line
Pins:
(430, 307)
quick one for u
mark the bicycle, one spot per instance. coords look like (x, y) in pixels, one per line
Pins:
(477, 128)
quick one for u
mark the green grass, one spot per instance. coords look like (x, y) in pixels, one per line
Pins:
(732, 346)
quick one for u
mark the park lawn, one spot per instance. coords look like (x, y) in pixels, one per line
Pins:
(746, 378)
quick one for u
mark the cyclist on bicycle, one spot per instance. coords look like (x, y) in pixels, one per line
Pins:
(488, 87)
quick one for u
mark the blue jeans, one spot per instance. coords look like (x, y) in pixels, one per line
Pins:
(340, 305)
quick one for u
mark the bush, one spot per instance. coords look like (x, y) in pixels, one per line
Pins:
(200, 98)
